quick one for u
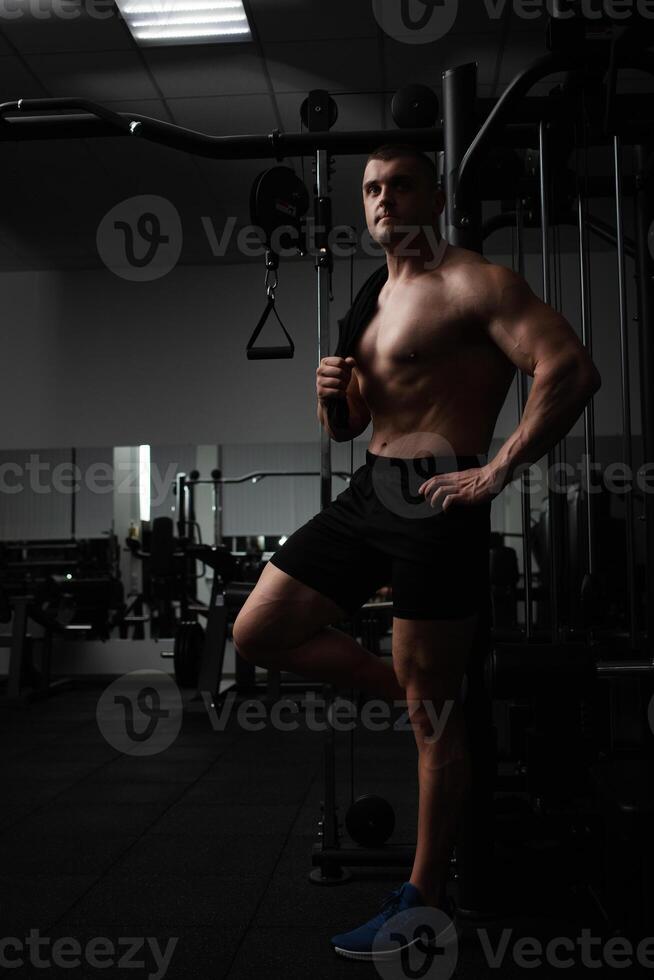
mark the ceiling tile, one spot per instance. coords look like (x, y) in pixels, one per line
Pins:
(6, 50)
(297, 20)
(354, 65)
(155, 108)
(489, 16)
(526, 19)
(481, 18)
(425, 64)
(89, 25)
(228, 115)
(218, 70)
(99, 76)
(17, 82)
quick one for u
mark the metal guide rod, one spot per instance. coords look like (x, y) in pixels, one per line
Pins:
(587, 340)
(525, 487)
(626, 388)
(322, 272)
(644, 208)
(552, 455)
(330, 836)
(218, 500)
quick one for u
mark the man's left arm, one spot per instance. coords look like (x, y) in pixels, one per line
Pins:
(540, 342)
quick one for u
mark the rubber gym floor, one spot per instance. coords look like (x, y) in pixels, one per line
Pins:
(210, 842)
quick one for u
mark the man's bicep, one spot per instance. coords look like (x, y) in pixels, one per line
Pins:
(531, 333)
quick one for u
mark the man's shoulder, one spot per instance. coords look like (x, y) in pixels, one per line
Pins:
(467, 263)
(468, 270)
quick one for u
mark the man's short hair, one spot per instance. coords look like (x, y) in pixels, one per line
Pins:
(391, 151)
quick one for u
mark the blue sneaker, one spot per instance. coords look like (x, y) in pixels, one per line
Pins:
(404, 906)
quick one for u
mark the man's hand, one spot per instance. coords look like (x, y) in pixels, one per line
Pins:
(467, 487)
(333, 377)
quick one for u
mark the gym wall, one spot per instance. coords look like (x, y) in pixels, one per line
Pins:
(164, 362)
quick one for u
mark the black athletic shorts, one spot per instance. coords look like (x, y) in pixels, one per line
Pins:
(380, 531)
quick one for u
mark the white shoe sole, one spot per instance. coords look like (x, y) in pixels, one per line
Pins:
(449, 935)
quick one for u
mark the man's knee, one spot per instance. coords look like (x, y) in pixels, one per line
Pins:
(438, 723)
(248, 640)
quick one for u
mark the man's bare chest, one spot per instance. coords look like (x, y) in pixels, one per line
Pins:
(416, 329)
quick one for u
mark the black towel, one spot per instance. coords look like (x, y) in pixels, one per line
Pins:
(360, 313)
(350, 328)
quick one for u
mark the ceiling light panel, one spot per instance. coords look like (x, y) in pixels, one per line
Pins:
(159, 22)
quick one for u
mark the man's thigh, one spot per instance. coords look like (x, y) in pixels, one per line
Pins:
(430, 656)
(282, 612)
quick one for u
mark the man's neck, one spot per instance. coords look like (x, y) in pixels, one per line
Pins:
(430, 248)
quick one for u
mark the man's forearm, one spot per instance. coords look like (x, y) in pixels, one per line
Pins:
(556, 400)
(341, 433)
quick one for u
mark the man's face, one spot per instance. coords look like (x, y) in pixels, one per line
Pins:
(397, 194)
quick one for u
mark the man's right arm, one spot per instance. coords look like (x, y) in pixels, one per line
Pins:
(356, 423)
(358, 413)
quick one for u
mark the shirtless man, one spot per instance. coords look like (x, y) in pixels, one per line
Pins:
(427, 353)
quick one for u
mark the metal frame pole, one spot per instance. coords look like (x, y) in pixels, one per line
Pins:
(525, 487)
(459, 130)
(587, 340)
(322, 273)
(644, 207)
(552, 456)
(625, 385)
(474, 847)
(220, 501)
(181, 485)
(330, 832)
